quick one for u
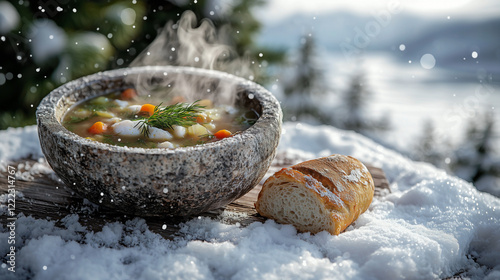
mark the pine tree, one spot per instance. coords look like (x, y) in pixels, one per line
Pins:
(430, 148)
(477, 159)
(355, 104)
(352, 113)
(305, 85)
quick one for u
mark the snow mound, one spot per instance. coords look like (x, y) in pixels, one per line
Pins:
(19, 143)
(431, 226)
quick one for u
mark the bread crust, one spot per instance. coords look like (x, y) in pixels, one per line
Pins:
(341, 185)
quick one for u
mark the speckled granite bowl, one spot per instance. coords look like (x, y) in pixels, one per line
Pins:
(159, 182)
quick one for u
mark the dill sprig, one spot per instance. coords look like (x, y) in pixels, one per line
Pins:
(181, 114)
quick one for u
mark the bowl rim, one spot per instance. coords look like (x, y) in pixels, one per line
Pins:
(46, 110)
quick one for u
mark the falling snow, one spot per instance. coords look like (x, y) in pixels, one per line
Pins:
(452, 229)
(428, 61)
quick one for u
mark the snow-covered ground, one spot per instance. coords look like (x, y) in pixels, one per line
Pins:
(431, 226)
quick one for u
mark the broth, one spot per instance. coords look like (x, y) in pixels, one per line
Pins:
(126, 119)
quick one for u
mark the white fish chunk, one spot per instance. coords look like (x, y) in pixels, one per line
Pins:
(121, 103)
(132, 128)
(159, 134)
(134, 108)
(127, 128)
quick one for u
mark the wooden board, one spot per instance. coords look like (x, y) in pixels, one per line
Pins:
(47, 198)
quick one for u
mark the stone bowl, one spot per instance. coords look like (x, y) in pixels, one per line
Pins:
(177, 182)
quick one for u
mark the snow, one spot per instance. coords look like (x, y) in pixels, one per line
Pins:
(317, 8)
(431, 226)
(48, 40)
(9, 17)
(19, 143)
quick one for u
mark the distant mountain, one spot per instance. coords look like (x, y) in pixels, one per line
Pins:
(451, 41)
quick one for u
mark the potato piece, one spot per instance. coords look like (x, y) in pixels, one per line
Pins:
(179, 131)
(115, 120)
(105, 114)
(196, 130)
(166, 144)
(101, 100)
(82, 113)
(209, 126)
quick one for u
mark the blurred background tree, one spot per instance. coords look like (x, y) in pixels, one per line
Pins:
(50, 42)
(430, 147)
(305, 84)
(353, 113)
(309, 97)
(476, 159)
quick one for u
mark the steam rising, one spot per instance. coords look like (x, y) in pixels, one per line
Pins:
(184, 44)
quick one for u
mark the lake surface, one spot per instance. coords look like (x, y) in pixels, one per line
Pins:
(411, 95)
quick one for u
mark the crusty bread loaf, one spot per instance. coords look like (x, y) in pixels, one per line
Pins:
(327, 193)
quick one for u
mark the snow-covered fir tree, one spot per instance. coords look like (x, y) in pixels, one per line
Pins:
(355, 99)
(352, 112)
(477, 159)
(431, 147)
(307, 96)
(304, 85)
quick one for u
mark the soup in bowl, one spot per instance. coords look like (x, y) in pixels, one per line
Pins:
(127, 119)
(175, 173)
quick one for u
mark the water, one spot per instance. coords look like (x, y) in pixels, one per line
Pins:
(411, 94)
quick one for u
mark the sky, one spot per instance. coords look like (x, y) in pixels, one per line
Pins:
(454, 8)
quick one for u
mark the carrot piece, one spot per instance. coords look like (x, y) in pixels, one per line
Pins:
(223, 133)
(128, 94)
(150, 109)
(201, 118)
(98, 128)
